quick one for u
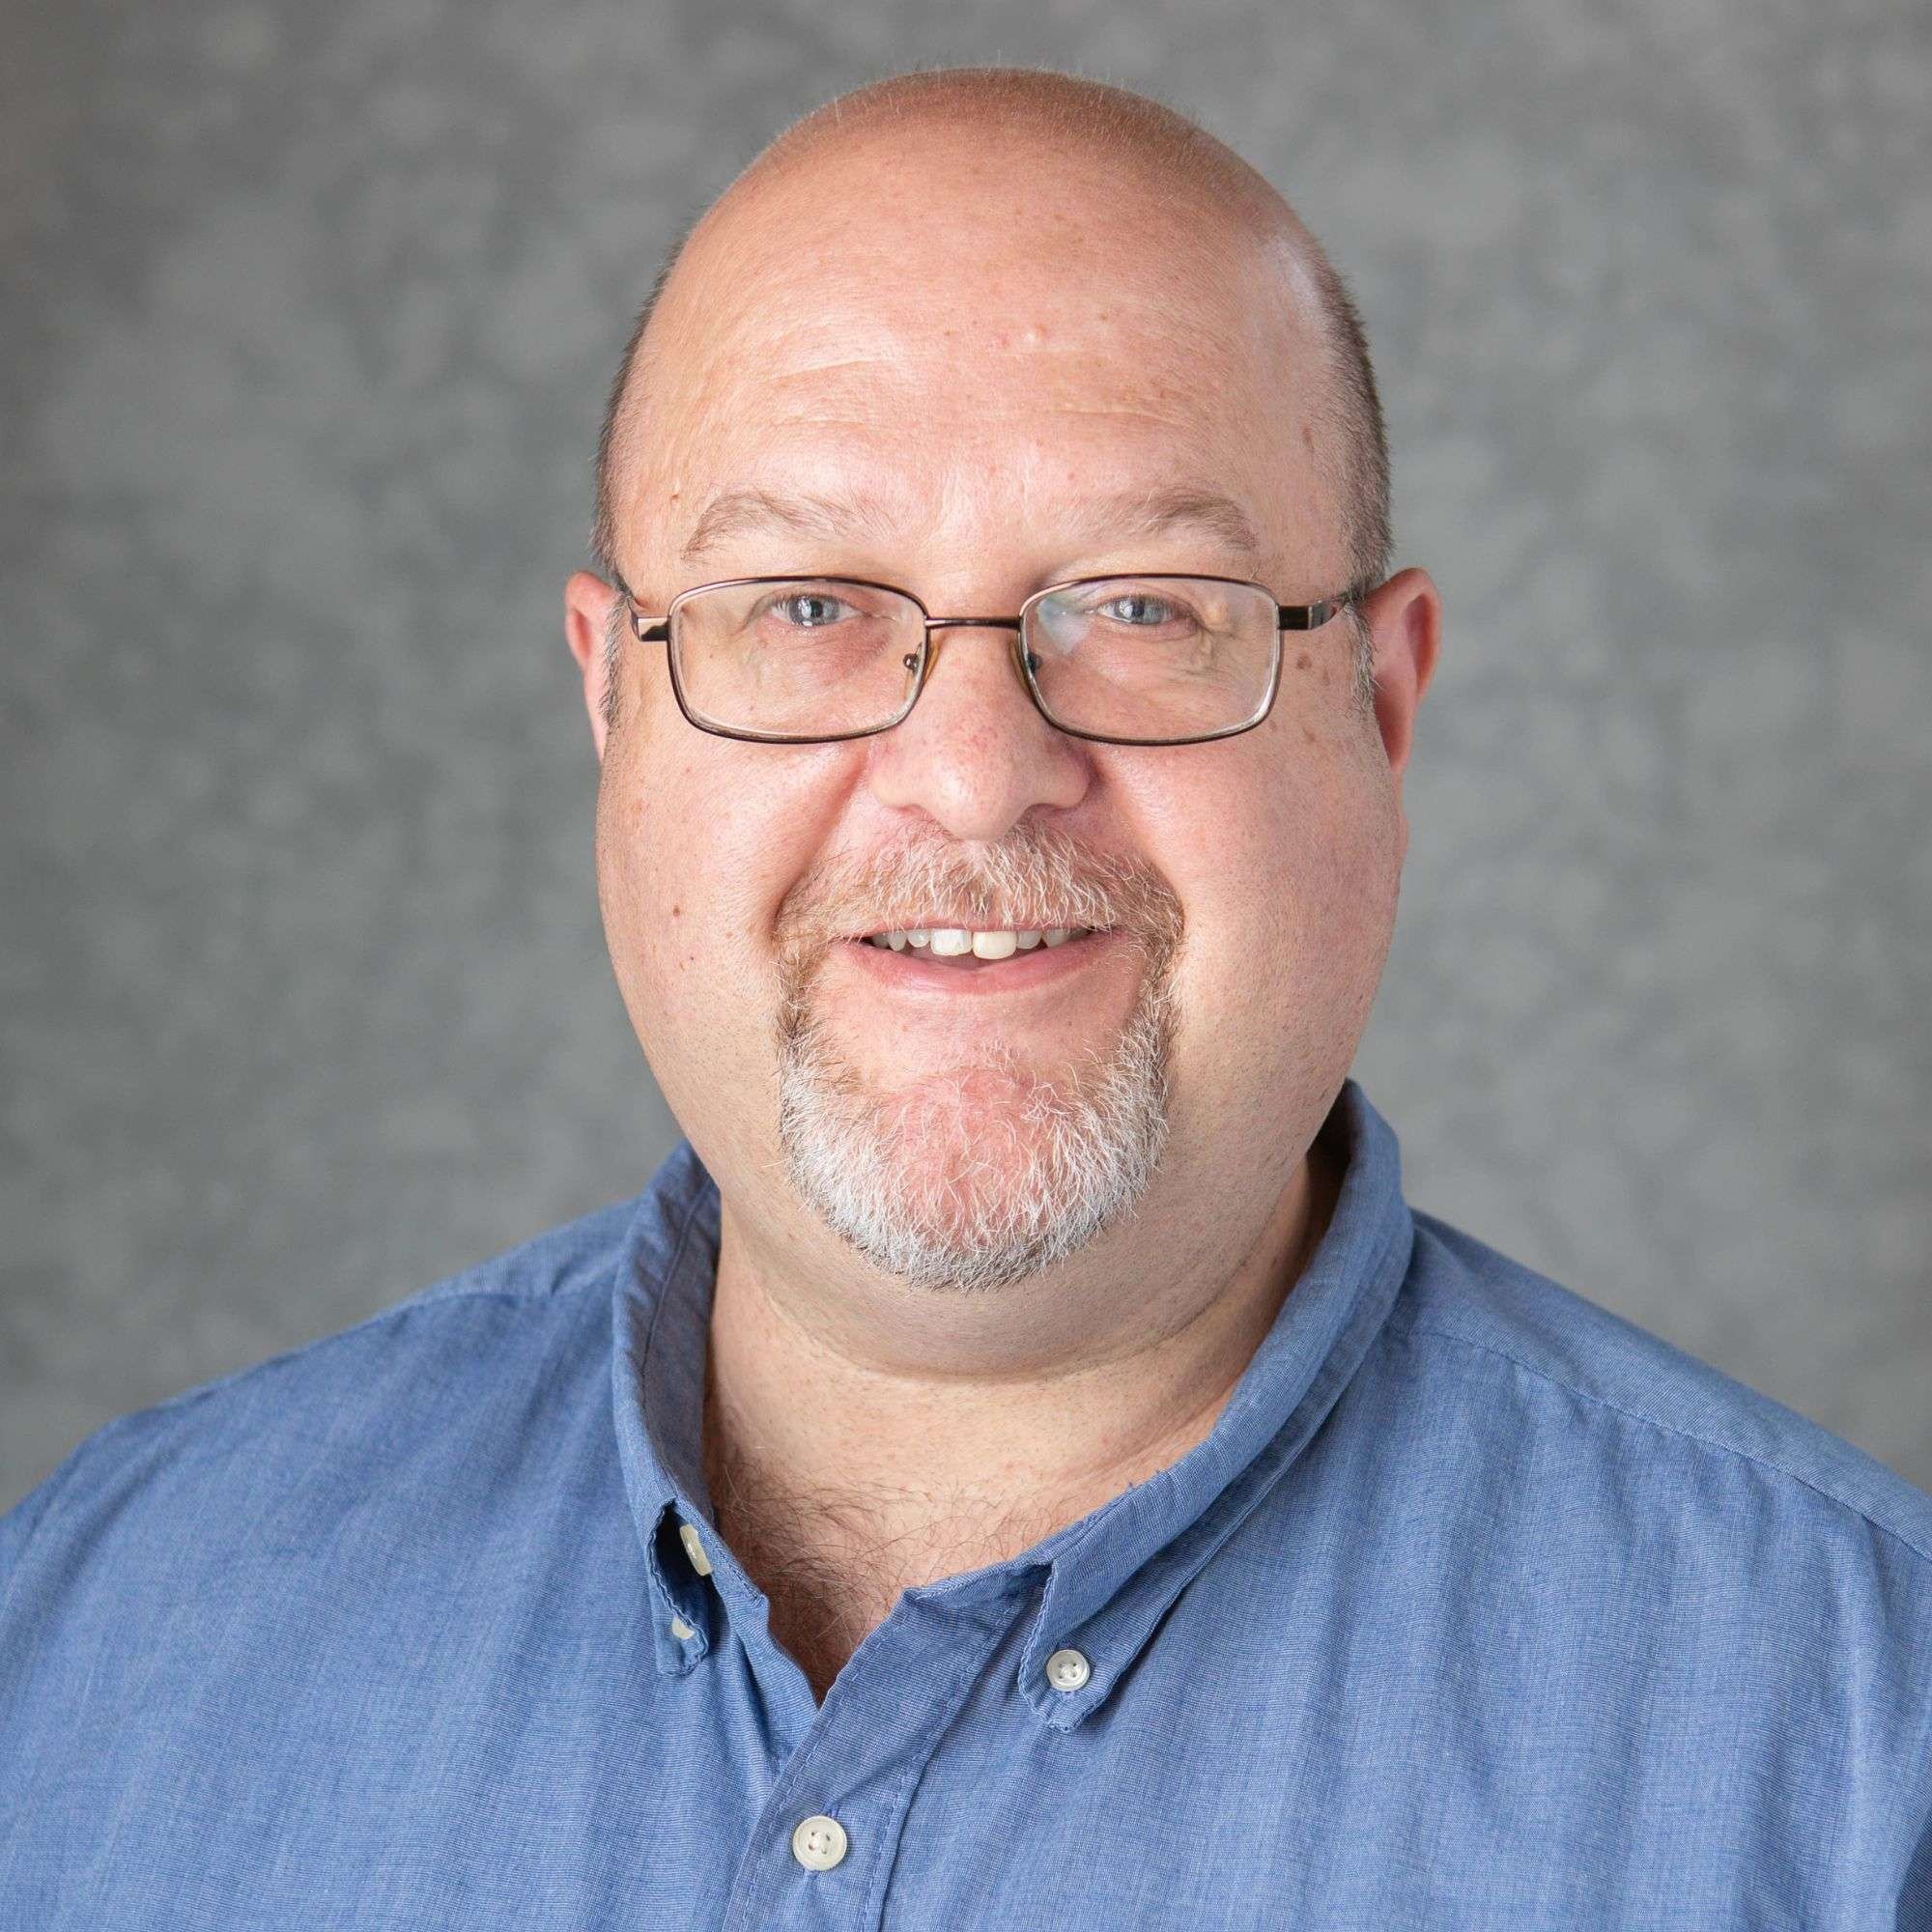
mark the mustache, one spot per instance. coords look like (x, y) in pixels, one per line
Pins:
(1035, 878)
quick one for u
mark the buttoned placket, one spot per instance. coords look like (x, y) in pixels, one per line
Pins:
(857, 1758)
(845, 1772)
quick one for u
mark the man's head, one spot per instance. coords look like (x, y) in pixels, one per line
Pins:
(997, 318)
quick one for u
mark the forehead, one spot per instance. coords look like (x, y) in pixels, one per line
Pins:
(921, 327)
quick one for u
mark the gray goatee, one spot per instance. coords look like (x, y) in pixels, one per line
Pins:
(992, 1169)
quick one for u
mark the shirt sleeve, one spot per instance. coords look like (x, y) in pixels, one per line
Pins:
(17, 1526)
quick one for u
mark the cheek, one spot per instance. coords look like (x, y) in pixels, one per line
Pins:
(696, 844)
(1290, 904)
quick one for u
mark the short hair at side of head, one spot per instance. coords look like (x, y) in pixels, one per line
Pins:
(1356, 445)
(616, 408)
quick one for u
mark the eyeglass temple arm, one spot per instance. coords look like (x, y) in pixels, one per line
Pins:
(1312, 616)
(647, 633)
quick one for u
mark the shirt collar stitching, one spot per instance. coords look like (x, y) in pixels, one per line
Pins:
(665, 1286)
(674, 1658)
(1170, 1570)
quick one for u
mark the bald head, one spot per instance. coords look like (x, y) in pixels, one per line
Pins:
(975, 153)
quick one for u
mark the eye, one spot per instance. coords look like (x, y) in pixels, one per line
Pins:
(1140, 610)
(807, 609)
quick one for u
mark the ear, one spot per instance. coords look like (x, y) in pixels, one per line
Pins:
(1404, 620)
(588, 604)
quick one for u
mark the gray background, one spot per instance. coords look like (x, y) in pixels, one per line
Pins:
(309, 313)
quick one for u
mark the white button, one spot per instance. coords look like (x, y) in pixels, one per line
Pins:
(1068, 1670)
(693, 1548)
(819, 1842)
(680, 1629)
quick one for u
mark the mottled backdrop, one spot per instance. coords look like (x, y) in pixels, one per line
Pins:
(309, 313)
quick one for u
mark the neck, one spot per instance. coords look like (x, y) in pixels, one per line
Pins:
(949, 1467)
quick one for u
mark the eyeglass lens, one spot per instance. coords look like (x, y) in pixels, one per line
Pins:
(1133, 657)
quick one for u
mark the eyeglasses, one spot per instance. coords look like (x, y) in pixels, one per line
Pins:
(1162, 659)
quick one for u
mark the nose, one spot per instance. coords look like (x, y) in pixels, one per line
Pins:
(973, 754)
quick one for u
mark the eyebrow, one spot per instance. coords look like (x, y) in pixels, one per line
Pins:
(1130, 515)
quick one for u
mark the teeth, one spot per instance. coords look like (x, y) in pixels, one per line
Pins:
(956, 942)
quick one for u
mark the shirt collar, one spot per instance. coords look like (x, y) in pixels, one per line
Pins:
(1110, 1576)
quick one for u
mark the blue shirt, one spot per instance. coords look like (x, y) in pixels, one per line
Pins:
(1477, 1607)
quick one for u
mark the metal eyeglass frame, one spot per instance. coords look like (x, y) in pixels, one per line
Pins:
(1288, 617)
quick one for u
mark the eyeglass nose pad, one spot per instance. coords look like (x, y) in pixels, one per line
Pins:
(1025, 664)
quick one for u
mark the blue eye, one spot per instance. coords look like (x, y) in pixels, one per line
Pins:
(1138, 600)
(807, 609)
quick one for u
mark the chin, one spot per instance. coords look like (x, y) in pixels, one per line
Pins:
(982, 1173)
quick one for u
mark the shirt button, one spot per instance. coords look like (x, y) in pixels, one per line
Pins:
(818, 1842)
(681, 1629)
(1068, 1670)
(693, 1548)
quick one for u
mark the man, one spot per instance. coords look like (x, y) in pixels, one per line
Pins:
(1020, 1463)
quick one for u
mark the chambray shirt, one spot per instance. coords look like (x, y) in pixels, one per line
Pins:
(1477, 1607)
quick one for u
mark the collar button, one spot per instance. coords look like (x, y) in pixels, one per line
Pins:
(693, 1548)
(1066, 1670)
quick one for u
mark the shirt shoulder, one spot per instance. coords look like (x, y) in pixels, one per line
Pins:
(1465, 1297)
(413, 1362)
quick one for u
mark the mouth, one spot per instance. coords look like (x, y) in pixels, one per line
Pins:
(979, 959)
(971, 946)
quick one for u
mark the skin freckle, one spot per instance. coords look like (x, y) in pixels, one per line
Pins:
(1301, 662)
